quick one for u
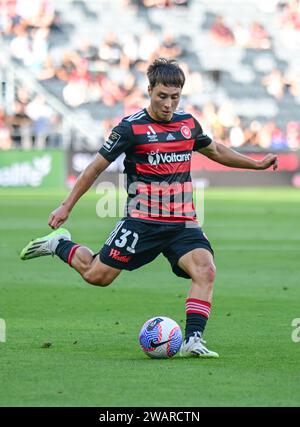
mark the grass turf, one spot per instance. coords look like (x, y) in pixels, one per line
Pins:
(94, 358)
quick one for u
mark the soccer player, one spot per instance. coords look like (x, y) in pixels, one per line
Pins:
(158, 142)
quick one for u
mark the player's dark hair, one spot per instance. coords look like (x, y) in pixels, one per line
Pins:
(166, 72)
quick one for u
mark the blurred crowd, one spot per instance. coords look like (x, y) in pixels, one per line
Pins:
(30, 124)
(111, 72)
(222, 124)
(33, 124)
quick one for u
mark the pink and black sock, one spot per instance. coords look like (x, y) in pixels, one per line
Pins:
(66, 249)
(197, 314)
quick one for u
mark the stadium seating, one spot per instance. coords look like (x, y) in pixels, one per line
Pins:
(245, 59)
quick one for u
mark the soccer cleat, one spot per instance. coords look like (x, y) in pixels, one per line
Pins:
(44, 245)
(194, 347)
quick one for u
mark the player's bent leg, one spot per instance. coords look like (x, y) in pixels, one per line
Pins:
(92, 269)
(100, 274)
(79, 257)
(199, 265)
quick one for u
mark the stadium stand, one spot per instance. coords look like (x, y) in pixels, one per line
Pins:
(88, 60)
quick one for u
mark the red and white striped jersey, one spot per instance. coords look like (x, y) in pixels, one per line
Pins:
(157, 164)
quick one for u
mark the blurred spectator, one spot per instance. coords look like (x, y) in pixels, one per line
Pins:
(236, 134)
(110, 92)
(21, 127)
(20, 45)
(265, 135)
(47, 71)
(87, 51)
(274, 83)
(258, 37)
(149, 45)
(68, 65)
(293, 135)
(110, 49)
(169, 47)
(220, 32)
(241, 35)
(75, 92)
(226, 115)
(290, 17)
(278, 140)
(5, 137)
(193, 86)
(252, 135)
(35, 13)
(39, 49)
(130, 48)
(41, 115)
(292, 82)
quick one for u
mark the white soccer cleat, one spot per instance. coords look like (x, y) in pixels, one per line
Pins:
(44, 245)
(194, 347)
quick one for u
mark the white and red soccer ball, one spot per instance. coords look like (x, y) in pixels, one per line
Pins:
(160, 337)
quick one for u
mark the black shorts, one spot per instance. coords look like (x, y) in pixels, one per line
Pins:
(134, 243)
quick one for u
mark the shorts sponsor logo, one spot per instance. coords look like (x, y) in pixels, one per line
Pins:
(186, 132)
(112, 141)
(115, 254)
(155, 157)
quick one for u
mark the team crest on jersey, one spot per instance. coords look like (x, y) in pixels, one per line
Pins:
(186, 132)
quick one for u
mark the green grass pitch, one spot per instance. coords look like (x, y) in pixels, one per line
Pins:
(94, 358)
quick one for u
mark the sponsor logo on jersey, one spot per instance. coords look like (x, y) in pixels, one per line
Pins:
(186, 132)
(155, 157)
(114, 137)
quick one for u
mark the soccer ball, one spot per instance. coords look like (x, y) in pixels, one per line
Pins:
(160, 337)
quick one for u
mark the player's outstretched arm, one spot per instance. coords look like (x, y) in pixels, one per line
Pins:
(83, 183)
(228, 157)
